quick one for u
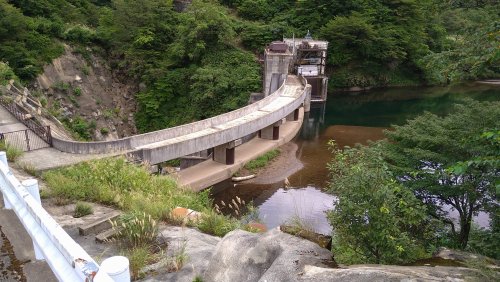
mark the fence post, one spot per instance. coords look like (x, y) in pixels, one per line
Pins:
(32, 186)
(27, 139)
(3, 159)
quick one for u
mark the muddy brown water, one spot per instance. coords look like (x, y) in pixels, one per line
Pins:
(349, 119)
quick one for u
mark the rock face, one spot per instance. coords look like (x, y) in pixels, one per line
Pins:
(275, 256)
(271, 256)
(198, 248)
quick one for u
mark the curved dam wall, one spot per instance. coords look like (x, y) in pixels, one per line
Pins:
(170, 143)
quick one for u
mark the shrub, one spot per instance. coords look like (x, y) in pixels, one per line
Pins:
(82, 209)
(375, 219)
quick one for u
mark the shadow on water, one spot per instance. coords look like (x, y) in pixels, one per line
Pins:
(349, 118)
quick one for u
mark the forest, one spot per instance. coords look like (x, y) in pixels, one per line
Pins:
(203, 61)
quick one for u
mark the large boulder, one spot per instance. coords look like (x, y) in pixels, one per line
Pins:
(197, 248)
(271, 256)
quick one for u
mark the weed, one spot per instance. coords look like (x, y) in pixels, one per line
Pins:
(98, 101)
(85, 70)
(217, 224)
(74, 101)
(108, 114)
(44, 194)
(60, 201)
(177, 261)
(138, 258)
(13, 153)
(104, 131)
(136, 230)
(43, 102)
(173, 163)
(297, 226)
(28, 168)
(82, 209)
(197, 278)
(77, 91)
(262, 161)
(62, 86)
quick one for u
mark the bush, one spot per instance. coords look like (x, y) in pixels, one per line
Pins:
(375, 219)
(82, 209)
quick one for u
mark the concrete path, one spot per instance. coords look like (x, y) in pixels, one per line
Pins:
(209, 172)
(46, 158)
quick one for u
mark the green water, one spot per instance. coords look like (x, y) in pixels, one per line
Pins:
(348, 118)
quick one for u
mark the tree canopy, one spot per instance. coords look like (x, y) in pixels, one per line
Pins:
(448, 163)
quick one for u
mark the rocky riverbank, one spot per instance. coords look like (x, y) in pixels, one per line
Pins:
(277, 256)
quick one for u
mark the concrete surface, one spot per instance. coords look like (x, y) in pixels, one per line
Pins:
(210, 172)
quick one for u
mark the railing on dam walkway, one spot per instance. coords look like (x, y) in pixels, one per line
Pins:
(68, 260)
(290, 103)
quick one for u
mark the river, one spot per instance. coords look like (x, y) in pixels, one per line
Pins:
(349, 118)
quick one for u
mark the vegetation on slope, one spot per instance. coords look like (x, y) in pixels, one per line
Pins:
(192, 64)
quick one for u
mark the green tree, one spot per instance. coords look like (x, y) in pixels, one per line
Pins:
(421, 152)
(375, 219)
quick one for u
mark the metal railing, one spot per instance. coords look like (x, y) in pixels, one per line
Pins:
(41, 131)
(25, 140)
(68, 260)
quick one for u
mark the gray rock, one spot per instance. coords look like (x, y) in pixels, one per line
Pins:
(271, 256)
(197, 246)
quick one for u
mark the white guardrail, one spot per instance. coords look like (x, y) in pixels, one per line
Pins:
(68, 260)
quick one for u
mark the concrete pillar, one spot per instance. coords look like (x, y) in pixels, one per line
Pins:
(32, 186)
(293, 116)
(225, 153)
(307, 100)
(271, 132)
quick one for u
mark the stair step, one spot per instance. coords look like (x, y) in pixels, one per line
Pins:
(107, 235)
(98, 225)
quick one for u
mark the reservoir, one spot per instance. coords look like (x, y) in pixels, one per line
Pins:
(347, 118)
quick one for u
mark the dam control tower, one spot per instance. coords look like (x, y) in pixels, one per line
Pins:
(300, 56)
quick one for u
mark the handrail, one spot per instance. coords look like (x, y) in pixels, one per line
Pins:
(68, 260)
(131, 142)
(42, 131)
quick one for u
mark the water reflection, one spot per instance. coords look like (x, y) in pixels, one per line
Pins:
(309, 204)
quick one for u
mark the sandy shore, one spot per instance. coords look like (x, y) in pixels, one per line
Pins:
(278, 169)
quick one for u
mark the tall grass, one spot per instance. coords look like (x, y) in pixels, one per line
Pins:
(13, 153)
(129, 187)
(262, 161)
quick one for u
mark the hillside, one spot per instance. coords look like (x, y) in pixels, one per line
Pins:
(196, 60)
